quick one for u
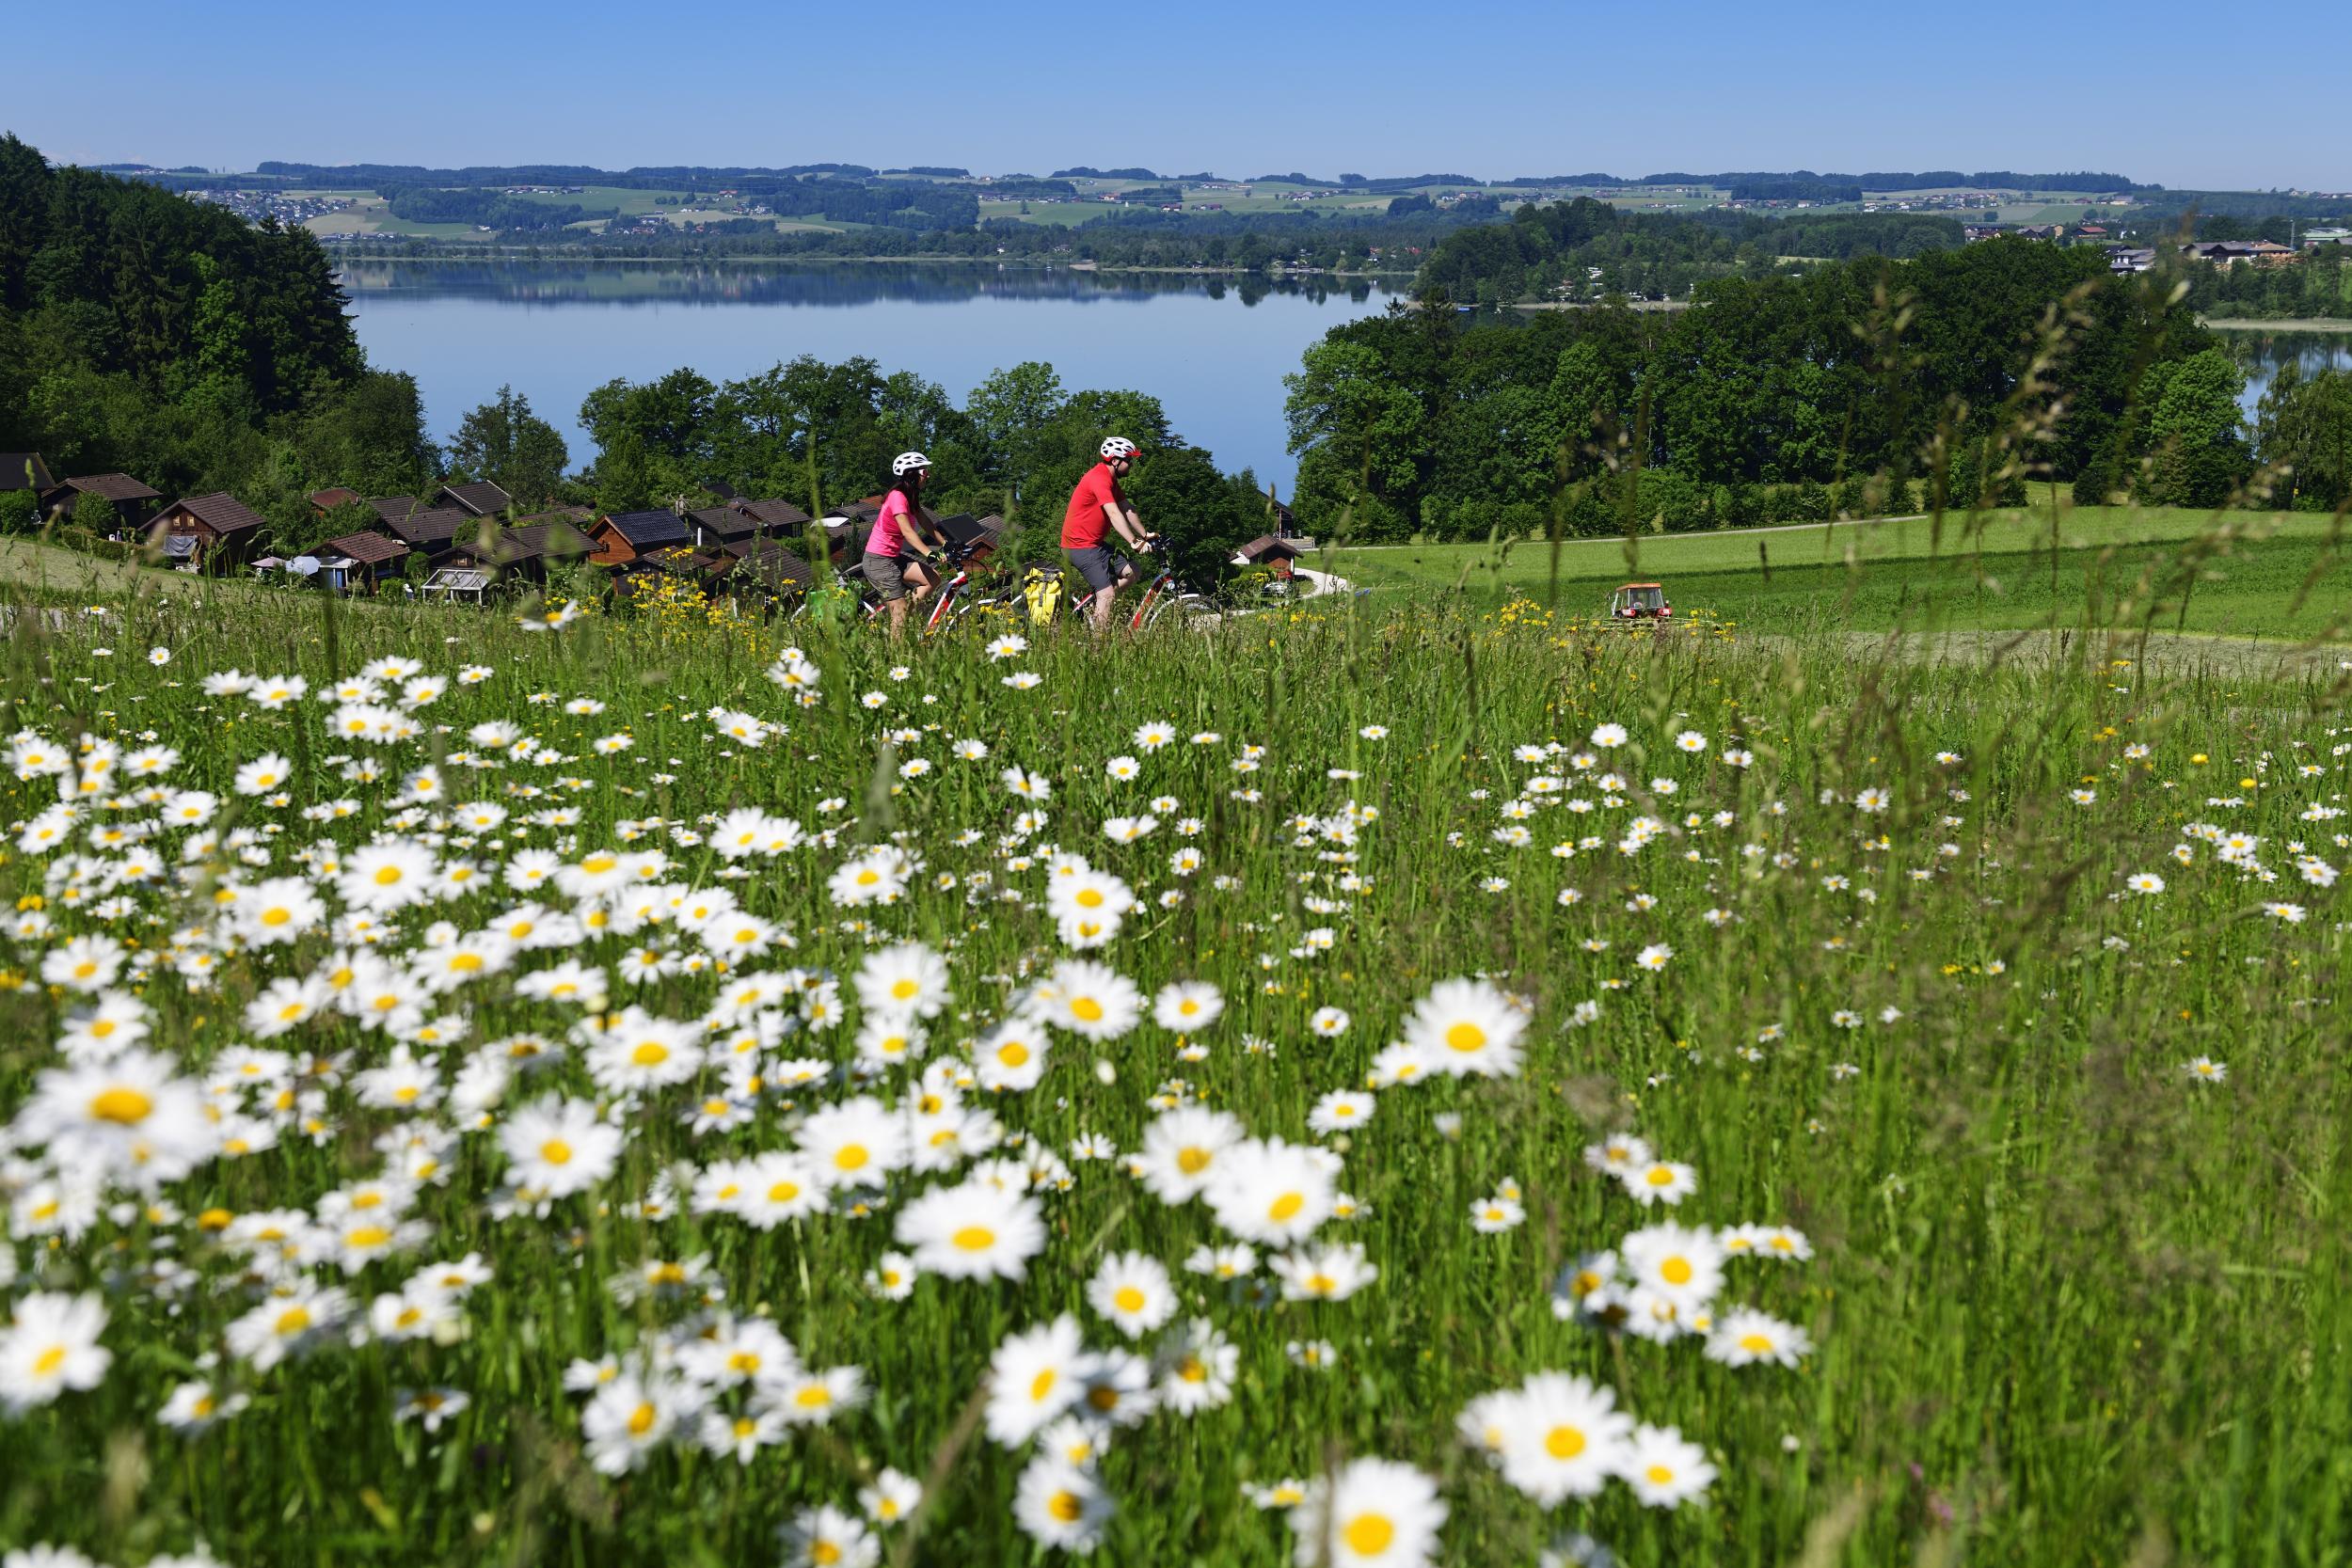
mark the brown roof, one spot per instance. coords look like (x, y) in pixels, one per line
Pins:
(479, 498)
(508, 545)
(370, 549)
(115, 487)
(220, 511)
(775, 513)
(436, 527)
(770, 565)
(1265, 546)
(333, 496)
(725, 521)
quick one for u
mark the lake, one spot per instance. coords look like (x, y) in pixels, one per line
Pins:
(1214, 350)
(2260, 352)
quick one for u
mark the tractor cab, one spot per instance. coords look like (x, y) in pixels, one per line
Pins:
(1641, 601)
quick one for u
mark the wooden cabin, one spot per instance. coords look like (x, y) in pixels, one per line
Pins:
(135, 504)
(622, 537)
(207, 533)
(527, 550)
(374, 557)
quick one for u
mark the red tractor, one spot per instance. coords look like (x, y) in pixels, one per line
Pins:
(1637, 603)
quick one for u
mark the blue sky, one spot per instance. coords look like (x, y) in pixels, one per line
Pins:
(2158, 90)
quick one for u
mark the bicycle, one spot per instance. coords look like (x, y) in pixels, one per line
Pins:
(1166, 590)
(953, 599)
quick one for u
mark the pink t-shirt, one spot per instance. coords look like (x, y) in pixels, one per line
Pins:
(886, 539)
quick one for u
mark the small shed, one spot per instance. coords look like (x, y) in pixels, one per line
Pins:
(716, 525)
(764, 568)
(434, 532)
(846, 529)
(332, 497)
(374, 557)
(773, 517)
(1266, 551)
(222, 533)
(980, 536)
(458, 583)
(135, 504)
(526, 551)
(620, 537)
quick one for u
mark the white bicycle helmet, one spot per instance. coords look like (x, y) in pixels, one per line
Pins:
(906, 463)
(1118, 446)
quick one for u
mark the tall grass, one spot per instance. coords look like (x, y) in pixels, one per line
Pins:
(2069, 1305)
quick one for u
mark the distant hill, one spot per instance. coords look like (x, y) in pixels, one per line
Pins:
(1935, 179)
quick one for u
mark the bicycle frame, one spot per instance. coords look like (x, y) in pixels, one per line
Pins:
(1160, 584)
(944, 599)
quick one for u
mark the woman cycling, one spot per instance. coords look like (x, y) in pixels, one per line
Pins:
(903, 530)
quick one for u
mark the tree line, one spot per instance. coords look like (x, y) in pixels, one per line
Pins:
(173, 342)
(1123, 237)
(1871, 386)
(1547, 249)
(816, 432)
(2317, 285)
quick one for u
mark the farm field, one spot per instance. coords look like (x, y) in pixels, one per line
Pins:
(2269, 575)
(1374, 1085)
(371, 215)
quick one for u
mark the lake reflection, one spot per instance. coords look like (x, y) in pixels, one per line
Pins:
(1213, 350)
(2260, 355)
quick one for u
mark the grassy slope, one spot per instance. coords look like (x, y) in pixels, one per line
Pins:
(2064, 1298)
(1994, 571)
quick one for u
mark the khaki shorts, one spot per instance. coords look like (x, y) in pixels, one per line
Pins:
(887, 573)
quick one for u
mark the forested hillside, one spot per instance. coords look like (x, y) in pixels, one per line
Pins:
(143, 333)
(1773, 399)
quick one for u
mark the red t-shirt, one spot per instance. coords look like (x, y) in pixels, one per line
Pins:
(1083, 526)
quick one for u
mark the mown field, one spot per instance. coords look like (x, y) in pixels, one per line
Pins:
(1382, 1084)
(2169, 569)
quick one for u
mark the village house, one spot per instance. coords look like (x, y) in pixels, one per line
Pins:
(1280, 555)
(374, 557)
(324, 502)
(714, 527)
(2225, 253)
(760, 566)
(527, 550)
(775, 518)
(135, 504)
(207, 533)
(433, 533)
(480, 498)
(622, 537)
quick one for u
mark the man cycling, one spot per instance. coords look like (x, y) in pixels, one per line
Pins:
(1097, 506)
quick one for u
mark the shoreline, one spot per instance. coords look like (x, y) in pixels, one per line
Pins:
(2248, 324)
(1234, 273)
